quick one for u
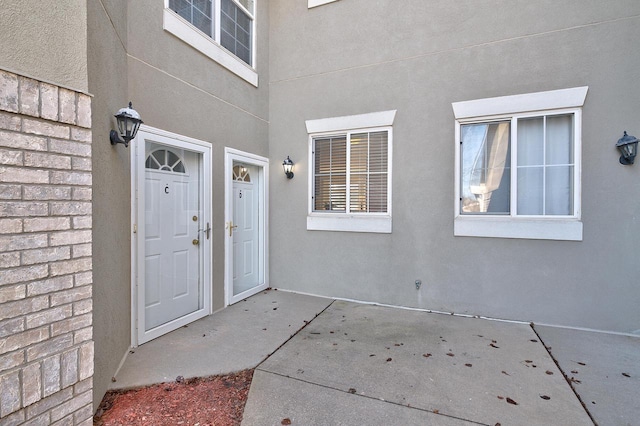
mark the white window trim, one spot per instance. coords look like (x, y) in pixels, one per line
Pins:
(179, 27)
(508, 226)
(315, 3)
(351, 222)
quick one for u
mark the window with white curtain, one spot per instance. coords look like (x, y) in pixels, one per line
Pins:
(350, 173)
(519, 166)
(543, 169)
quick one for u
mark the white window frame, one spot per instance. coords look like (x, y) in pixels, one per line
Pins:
(210, 46)
(351, 222)
(507, 107)
(315, 3)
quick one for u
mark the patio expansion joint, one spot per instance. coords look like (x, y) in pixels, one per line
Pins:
(424, 410)
(306, 323)
(566, 377)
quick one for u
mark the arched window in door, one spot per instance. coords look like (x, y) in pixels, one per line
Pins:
(241, 174)
(166, 160)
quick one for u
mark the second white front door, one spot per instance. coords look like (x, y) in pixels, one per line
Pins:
(246, 222)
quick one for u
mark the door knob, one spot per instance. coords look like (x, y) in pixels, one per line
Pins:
(195, 242)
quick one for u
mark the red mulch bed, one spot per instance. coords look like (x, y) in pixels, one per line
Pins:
(208, 401)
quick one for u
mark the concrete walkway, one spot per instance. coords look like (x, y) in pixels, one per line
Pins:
(236, 338)
(325, 362)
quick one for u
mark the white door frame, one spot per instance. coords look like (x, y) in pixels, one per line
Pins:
(231, 155)
(138, 157)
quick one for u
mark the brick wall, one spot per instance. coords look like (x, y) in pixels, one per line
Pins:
(46, 346)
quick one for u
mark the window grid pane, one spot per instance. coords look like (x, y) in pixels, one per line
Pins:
(530, 190)
(248, 4)
(198, 12)
(235, 33)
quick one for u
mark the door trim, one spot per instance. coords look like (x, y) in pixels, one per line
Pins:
(137, 153)
(231, 155)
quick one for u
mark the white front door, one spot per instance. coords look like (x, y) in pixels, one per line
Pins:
(172, 233)
(246, 223)
(172, 220)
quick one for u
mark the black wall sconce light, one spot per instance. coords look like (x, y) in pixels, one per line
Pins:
(628, 147)
(287, 166)
(128, 124)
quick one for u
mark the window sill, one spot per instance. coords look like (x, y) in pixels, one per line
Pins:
(314, 3)
(205, 45)
(349, 223)
(534, 229)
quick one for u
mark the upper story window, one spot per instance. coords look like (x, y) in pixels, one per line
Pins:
(350, 174)
(223, 30)
(236, 28)
(518, 162)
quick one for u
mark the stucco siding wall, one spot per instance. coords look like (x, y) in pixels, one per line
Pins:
(107, 63)
(46, 40)
(178, 89)
(174, 88)
(354, 57)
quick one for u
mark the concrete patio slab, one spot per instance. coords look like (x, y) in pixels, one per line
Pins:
(476, 370)
(236, 338)
(604, 368)
(309, 404)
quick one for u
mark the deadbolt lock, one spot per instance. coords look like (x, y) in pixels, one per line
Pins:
(195, 218)
(195, 242)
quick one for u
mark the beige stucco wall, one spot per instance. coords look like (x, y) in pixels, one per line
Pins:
(108, 76)
(46, 40)
(417, 57)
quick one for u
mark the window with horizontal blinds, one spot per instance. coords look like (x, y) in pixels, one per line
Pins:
(330, 169)
(351, 173)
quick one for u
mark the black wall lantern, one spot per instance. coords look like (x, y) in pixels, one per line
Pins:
(128, 124)
(287, 166)
(628, 146)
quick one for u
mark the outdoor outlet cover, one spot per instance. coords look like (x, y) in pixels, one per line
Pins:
(418, 284)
